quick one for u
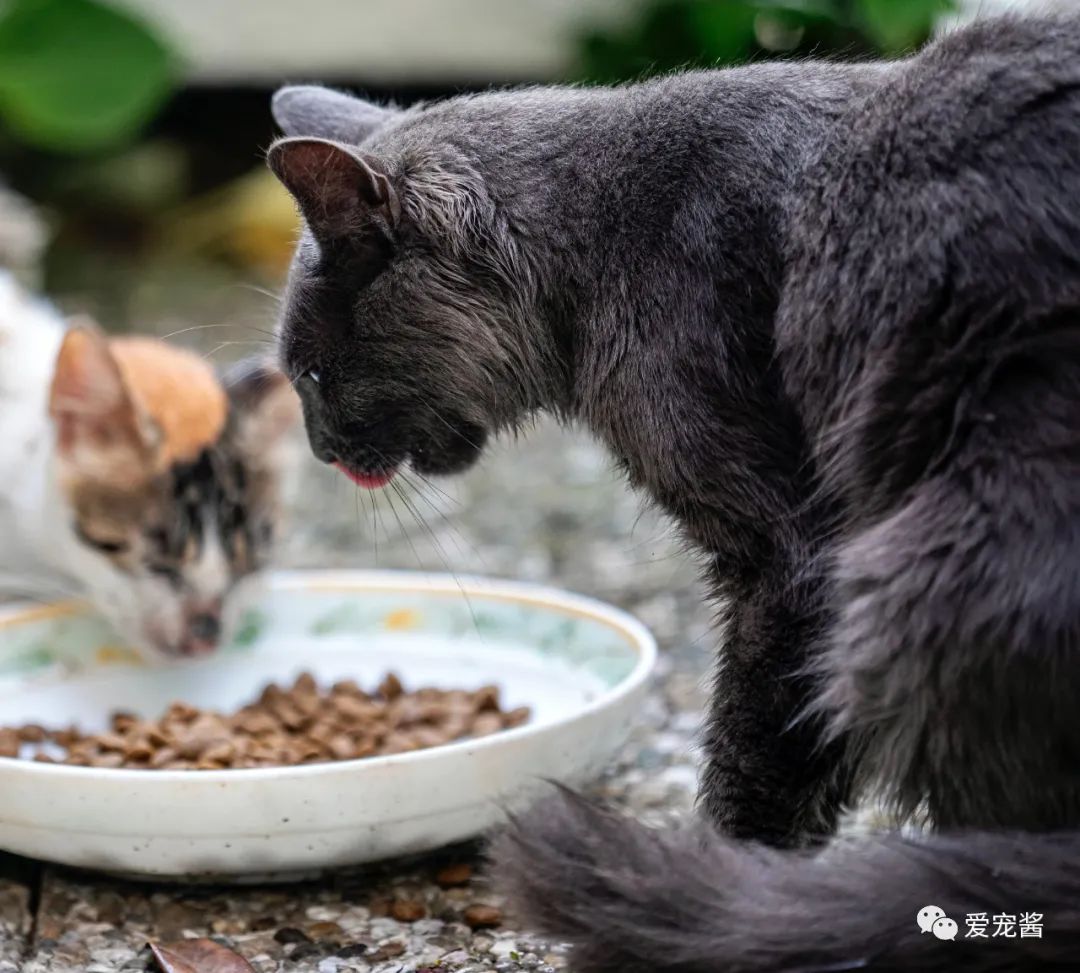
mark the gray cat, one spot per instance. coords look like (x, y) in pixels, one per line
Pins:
(828, 318)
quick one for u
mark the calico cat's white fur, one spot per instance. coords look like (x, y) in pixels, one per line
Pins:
(131, 474)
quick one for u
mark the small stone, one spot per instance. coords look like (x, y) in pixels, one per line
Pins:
(289, 934)
(349, 952)
(481, 916)
(387, 951)
(452, 875)
(383, 929)
(405, 910)
(504, 949)
(304, 951)
(325, 930)
(323, 913)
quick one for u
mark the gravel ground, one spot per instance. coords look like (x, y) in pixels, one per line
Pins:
(548, 508)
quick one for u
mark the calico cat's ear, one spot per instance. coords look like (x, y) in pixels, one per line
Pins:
(312, 110)
(102, 435)
(265, 406)
(338, 189)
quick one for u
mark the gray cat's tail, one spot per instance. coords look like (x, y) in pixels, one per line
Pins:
(631, 899)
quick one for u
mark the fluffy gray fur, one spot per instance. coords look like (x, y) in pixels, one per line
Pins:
(826, 317)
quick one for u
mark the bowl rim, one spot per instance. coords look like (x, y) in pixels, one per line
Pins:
(636, 635)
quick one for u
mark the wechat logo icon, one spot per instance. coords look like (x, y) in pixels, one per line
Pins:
(933, 920)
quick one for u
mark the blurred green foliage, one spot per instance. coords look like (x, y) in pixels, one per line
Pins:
(670, 34)
(79, 75)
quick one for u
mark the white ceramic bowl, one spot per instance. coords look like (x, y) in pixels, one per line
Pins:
(582, 666)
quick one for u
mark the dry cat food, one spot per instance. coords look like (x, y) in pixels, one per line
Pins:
(300, 724)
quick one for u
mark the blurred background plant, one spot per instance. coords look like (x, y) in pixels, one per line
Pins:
(670, 34)
(133, 133)
(136, 127)
(77, 75)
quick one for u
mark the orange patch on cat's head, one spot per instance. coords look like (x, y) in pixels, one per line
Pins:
(177, 390)
(126, 409)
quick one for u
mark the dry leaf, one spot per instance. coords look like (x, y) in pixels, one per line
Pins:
(252, 220)
(198, 956)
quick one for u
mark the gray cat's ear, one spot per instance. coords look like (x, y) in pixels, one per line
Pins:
(311, 110)
(338, 189)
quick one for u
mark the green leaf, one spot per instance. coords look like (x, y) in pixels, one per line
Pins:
(78, 75)
(724, 31)
(897, 26)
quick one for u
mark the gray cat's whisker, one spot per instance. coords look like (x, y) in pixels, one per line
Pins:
(435, 487)
(263, 291)
(463, 545)
(230, 326)
(456, 432)
(209, 355)
(441, 553)
(374, 524)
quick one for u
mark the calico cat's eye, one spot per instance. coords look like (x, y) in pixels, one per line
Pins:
(158, 538)
(106, 545)
(166, 571)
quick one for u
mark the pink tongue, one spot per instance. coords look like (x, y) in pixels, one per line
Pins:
(364, 480)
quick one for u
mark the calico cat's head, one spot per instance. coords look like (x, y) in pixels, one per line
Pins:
(168, 480)
(405, 326)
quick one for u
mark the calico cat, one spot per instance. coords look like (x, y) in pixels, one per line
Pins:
(828, 318)
(132, 474)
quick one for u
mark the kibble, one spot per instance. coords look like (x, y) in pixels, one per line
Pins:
(284, 726)
(9, 743)
(31, 733)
